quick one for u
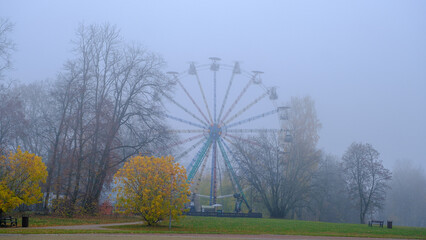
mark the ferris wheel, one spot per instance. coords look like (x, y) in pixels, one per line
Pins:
(216, 105)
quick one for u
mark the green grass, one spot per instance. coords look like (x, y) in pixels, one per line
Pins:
(277, 226)
(204, 225)
(54, 231)
(46, 221)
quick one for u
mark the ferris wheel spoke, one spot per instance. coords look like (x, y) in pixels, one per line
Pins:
(214, 98)
(231, 170)
(185, 109)
(190, 149)
(193, 71)
(247, 107)
(183, 141)
(251, 119)
(237, 100)
(186, 131)
(184, 121)
(241, 139)
(214, 67)
(256, 130)
(236, 70)
(190, 97)
(196, 162)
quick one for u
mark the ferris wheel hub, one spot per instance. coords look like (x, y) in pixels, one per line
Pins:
(215, 131)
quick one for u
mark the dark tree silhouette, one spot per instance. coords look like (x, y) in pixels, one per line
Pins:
(283, 180)
(366, 178)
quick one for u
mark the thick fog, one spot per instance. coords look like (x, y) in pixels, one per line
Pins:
(362, 62)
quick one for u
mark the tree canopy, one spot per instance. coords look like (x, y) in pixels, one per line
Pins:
(281, 173)
(366, 177)
(152, 187)
(20, 177)
(6, 45)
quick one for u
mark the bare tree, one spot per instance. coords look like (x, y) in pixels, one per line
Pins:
(59, 123)
(366, 178)
(11, 111)
(6, 45)
(304, 125)
(104, 107)
(262, 167)
(282, 184)
(35, 102)
(108, 109)
(405, 202)
(331, 202)
(12, 118)
(284, 179)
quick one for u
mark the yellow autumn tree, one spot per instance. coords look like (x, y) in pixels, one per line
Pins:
(20, 177)
(151, 187)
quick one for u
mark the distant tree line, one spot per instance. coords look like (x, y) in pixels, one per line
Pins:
(296, 180)
(105, 106)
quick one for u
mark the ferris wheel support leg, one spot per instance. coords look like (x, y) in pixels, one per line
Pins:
(231, 170)
(189, 149)
(196, 162)
(213, 182)
(200, 175)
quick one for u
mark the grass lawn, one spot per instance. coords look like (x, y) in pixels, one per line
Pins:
(46, 221)
(277, 226)
(227, 226)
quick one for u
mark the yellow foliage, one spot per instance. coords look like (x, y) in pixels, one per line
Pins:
(152, 187)
(20, 177)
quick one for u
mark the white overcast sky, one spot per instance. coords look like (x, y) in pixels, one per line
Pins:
(363, 62)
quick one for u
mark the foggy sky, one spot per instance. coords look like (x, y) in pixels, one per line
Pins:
(363, 62)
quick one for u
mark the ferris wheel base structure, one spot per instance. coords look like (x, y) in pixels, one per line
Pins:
(217, 128)
(224, 214)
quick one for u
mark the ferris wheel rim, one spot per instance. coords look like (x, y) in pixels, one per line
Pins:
(247, 75)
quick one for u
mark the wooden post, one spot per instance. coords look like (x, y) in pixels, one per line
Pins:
(171, 201)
